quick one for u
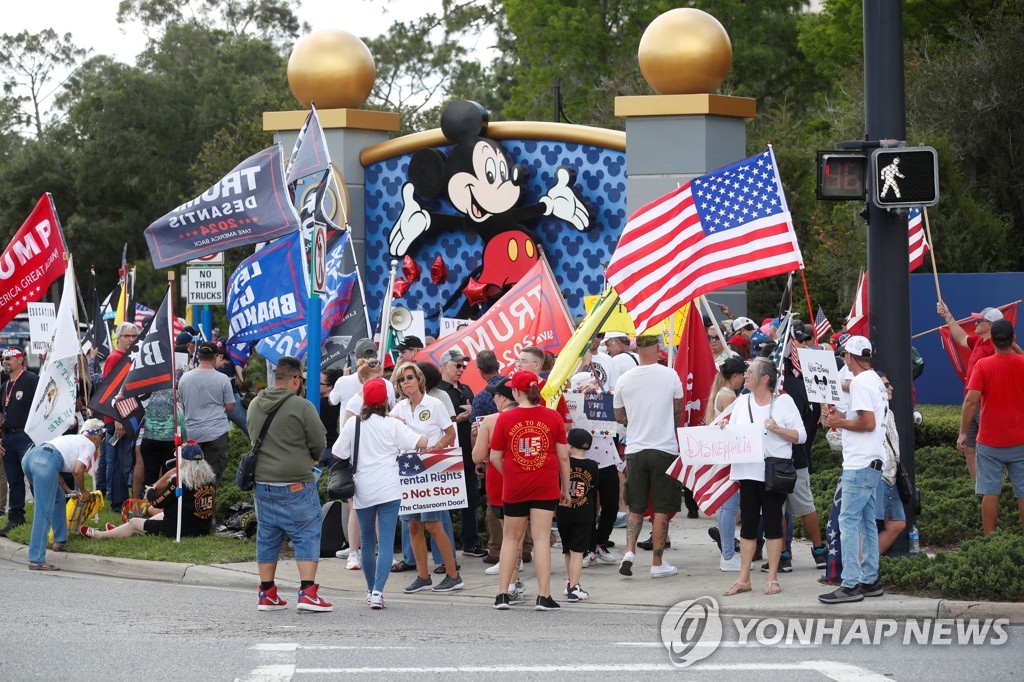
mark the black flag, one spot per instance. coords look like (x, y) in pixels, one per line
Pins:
(151, 368)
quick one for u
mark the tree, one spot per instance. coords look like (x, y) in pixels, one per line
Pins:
(270, 19)
(28, 62)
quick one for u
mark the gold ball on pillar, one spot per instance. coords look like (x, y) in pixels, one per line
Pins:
(685, 51)
(332, 68)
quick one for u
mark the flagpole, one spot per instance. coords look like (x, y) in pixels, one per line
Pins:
(313, 324)
(714, 321)
(931, 252)
(810, 310)
(385, 314)
(359, 281)
(963, 321)
(174, 404)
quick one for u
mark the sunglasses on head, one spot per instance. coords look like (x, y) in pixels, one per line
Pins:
(373, 364)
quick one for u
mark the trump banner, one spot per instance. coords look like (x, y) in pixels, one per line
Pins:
(251, 204)
(32, 261)
(434, 481)
(267, 293)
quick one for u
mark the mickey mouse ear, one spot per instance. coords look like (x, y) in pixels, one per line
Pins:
(464, 120)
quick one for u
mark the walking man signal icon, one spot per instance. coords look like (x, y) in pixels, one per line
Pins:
(889, 175)
(904, 177)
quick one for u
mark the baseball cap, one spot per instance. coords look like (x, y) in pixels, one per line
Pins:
(580, 439)
(183, 338)
(743, 323)
(389, 363)
(987, 314)
(191, 450)
(375, 393)
(522, 380)
(452, 355)
(410, 342)
(858, 346)
(732, 366)
(1002, 331)
(799, 335)
(13, 352)
(619, 336)
(500, 388)
(207, 348)
(365, 348)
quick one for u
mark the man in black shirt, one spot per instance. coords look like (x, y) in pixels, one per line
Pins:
(15, 401)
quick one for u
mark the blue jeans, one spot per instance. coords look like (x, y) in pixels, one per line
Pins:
(727, 525)
(857, 520)
(120, 466)
(376, 556)
(237, 416)
(281, 511)
(407, 555)
(15, 447)
(42, 467)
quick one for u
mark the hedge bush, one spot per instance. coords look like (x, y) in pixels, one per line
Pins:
(940, 425)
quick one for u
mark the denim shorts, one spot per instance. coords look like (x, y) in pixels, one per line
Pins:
(888, 505)
(426, 517)
(280, 512)
(990, 463)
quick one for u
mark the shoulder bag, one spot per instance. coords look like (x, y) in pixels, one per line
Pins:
(245, 477)
(341, 484)
(779, 472)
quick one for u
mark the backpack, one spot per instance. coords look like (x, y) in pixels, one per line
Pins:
(332, 529)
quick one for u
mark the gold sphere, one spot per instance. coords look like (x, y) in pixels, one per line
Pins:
(685, 51)
(332, 68)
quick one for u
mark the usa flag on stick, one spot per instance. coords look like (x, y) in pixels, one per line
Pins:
(730, 226)
(822, 327)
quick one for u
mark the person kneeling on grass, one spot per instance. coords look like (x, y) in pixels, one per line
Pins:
(198, 484)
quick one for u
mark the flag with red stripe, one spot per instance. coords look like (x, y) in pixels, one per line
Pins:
(822, 327)
(710, 483)
(857, 322)
(960, 355)
(730, 226)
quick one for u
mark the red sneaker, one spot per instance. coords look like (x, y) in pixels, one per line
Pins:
(269, 601)
(310, 601)
(87, 531)
(111, 526)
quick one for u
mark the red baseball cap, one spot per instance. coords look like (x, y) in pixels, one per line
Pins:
(375, 393)
(523, 379)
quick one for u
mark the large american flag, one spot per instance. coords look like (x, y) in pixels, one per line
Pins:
(719, 229)
(436, 462)
(709, 483)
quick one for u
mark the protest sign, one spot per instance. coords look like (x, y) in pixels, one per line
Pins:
(42, 319)
(592, 411)
(450, 325)
(434, 481)
(735, 444)
(821, 376)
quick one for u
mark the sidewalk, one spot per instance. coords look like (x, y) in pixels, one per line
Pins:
(693, 553)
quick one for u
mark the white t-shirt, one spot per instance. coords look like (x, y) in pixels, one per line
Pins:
(844, 375)
(624, 362)
(74, 448)
(785, 413)
(602, 448)
(347, 386)
(605, 370)
(867, 393)
(381, 440)
(429, 418)
(647, 393)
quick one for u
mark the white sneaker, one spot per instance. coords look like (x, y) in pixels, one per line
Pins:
(589, 560)
(730, 565)
(377, 601)
(605, 556)
(343, 553)
(663, 571)
(354, 564)
(493, 570)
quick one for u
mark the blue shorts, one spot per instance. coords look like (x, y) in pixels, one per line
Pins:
(888, 505)
(426, 517)
(989, 465)
(280, 512)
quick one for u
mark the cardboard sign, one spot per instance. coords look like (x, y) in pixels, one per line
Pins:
(735, 444)
(42, 320)
(450, 325)
(821, 376)
(433, 481)
(594, 411)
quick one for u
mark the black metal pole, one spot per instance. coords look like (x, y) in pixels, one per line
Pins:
(888, 273)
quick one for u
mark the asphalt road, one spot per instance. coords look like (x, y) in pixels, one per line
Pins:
(61, 626)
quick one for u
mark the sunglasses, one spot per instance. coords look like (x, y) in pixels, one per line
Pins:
(887, 385)
(714, 338)
(408, 377)
(373, 364)
(460, 365)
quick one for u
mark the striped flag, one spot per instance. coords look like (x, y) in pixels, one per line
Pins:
(730, 226)
(857, 322)
(822, 327)
(915, 233)
(710, 484)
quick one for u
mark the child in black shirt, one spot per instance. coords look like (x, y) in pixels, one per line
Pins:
(576, 521)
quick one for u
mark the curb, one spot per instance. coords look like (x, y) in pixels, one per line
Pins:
(951, 608)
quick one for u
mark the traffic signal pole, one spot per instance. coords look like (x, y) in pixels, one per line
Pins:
(888, 272)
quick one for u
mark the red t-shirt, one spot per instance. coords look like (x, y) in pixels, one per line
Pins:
(980, 348)
(1000, 379)
(527, 437)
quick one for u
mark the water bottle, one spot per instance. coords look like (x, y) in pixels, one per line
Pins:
(915, 540)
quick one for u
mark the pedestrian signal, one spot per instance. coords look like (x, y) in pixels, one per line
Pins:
(902, 177)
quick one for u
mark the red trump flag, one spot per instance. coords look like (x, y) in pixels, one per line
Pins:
(32, 261)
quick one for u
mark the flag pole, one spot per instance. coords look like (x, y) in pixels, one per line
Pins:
(714, 321)
(931, 251)
(174, 404)
(385, 314)
(810, 309)
(963, 321)
(359, 281)
(313, 323)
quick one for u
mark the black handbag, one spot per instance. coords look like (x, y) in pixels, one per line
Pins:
(245, 477)
(779, 472)
(341, 484)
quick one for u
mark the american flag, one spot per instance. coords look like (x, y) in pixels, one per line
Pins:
(436, 462)
(834, 562)
(857, 322)
(915, 234)
(719, 229)
(710, 483)
(822, 326)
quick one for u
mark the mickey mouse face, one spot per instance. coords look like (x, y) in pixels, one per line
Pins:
(490, 188)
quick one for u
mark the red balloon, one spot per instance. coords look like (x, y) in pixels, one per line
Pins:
(476, 292)
(401, 286)
(438, 271)
(410, 269)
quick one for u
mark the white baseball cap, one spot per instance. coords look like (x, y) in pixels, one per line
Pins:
(858, 346)
(742, 323)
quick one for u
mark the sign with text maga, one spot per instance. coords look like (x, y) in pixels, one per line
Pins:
(821, 376)
(205, 285)
(735, 444)
(32, 261)
(249, 205)
(532, 313)
(592, 411)
(433, 481)
(42, 319)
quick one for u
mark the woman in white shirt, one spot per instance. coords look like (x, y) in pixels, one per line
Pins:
(783, 427)
(378, 489)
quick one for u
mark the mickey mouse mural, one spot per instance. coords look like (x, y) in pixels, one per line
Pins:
(485, 189)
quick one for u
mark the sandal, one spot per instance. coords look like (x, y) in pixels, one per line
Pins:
(772, 587)
(42, 566)
(57, 547)
(737, 588)
(401, 567)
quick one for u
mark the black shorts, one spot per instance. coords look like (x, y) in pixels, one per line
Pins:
(523, 508)
(499, 511)
(575, 537)
(153, 526)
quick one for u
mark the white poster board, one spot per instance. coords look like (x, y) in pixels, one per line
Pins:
(594, 412)
(42, 320)
(821, 376)
(735, 444)
(450, 325)
(433, 481)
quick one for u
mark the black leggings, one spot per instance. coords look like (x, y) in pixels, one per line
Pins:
(755, 502)
(154, 454)
(608, 495)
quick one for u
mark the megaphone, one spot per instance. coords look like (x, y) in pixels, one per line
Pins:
(401, 318)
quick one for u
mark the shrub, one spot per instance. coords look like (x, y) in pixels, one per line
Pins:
(940, 425)
(228, 493)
